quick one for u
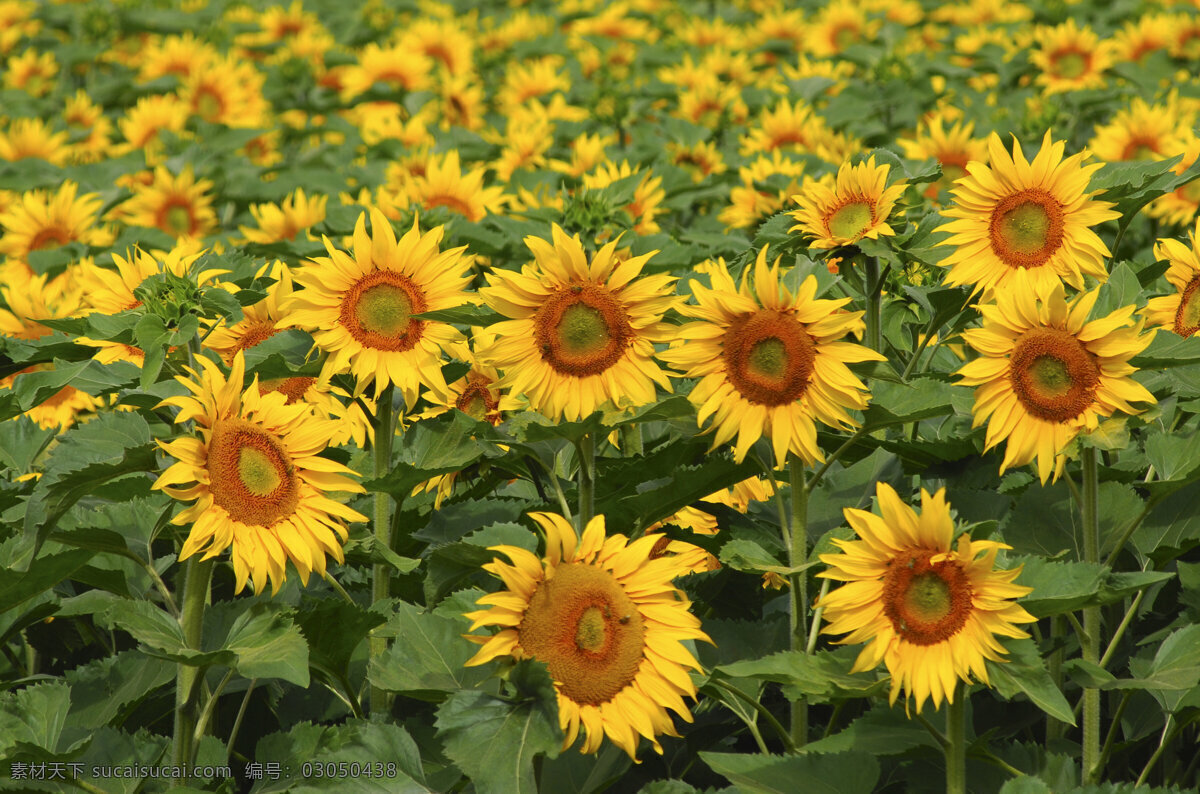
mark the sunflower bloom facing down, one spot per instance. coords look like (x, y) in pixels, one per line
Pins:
(1179, 312)
(769, 362)
(1016, 215)
(581, 334)
(858, 206)
(259, 482)
(607, 621)
(1045, 373)
(926, 607)
(359, 308)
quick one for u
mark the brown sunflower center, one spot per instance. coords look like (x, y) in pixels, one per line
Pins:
(1026, 228)
(292, 388)
(256, 333)
(477, 402)
(769, 357)
(850, 220)
(1053, 375)
(1140, 147)
(926, 602)
(250, 474)
(450, 202)
(50, 236)
(582, 330)
(587, 630)
(1071, 64)
(1187, 316)
(378, 310)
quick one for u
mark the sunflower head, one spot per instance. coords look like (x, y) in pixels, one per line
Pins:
(1179, 312)
(603, 615)
(929, 608)
(857, 207)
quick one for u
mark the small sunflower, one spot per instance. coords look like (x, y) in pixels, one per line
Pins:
(283, 221)
(109, 292)
(581, 334)
(260, 482)
(259, 322)
(34, 139)
(647, 196)
(952, 147)
(1070, 58)
(926, 607)
(443, 183)
(1181, 205)
(605, 618)
(1179, 312)
(769, 362)
(1045, 373)
(359, 308)
(1013, 215)
(40, 220)
(179, 205)
(857, 207)
(1140, 132)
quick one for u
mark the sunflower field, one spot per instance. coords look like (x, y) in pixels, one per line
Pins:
(659, 396)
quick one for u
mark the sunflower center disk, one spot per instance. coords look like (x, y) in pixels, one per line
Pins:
(926, 603)
(582, 330)
(178, 219)
(256, 334)
(1027, 228)
(769, 357)
(1187, 317)
(378, 310)
(53, 236)
(851, 220)
(292, 388)
(587, 630)
(1071, 64)
(251, 476)
(476, 402)
(1053, 375)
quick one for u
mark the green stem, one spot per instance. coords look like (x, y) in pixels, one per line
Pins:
(1163, 741)
(1120, 632)
(237, 721)
(1114, 726)
(1091, 616)
(381, 573)
(916, 356)
(209, 707)
(815, 629)
(956, 737)
(337, 588)
(762, 710)
(197, 575)
(587, 480)
(1058, 630)
(796, 540)
(874, 287)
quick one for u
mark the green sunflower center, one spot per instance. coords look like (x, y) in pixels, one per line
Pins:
(384, 309)
(258, 471)
(928, 597)
(378, 311)
(590, 634)
(1071, 64)
(1053, 375)
(1187, 317)
(1026, 228)
(178, 219)
(582, 330)
(850, 220)
(769, 357)
(208, 105)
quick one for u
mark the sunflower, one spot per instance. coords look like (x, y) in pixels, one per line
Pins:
(606, 620)
(647, 196)
(109, 292)
(953, 148)
(443, 184)
(926, 607)
(30, 72)
(179, 205)
(396, 66)
(839, 25)
(260, 481)
(581, 334)
(41, 220)
(33, 139)
(1070, 58)
(259, 322)
(180, 56)
(283, 221)
(794, 127)
(145, 121)
(1140, 132)
(857, 206)
(1045, 373)
(1182, 204)
(1013, 215)
(359, 308)
(1179, 312)
(769, 362)
(89, 126)
(228, 91)
(587, 153)
(1139, 37)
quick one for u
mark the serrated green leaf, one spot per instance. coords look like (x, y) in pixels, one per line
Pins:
(921, 398)
(836, 773)
(17, 587)
(1024, 672)
(268, 644)
(427, 656)
(819, 677)
(1172, 675)
(35, 715)
(102, 689)
(746, 555)
(881, 731)
(333, 628)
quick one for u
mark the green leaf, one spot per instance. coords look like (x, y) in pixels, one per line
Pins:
(426, 658)
(746, 555)
(430, 448)
(495, 740)
(1025, 784)
(268, 644)
(1172, 675)
(819, 677)
(21, 441)
(34, 388)
(1174, 457)
(333, 628)
(464, 315)
(1121, 289)
(17, 587)
(34, 715)
(1024, 672)
(1171, 527)
(103, 689)
(388, 759)
(145, 622)
(1087, 674)
(1060, 587)
(894, 403)
(836, 773)
(881, 731)
(1168, 350)
(1133, 185)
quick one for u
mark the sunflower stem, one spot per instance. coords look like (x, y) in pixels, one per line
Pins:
(587, 481)
(874, 287)
(381, 573)
(796, 538)
(1058, 630)
(197, 575)
(237, 721)
(956, 742)
(1091, 616)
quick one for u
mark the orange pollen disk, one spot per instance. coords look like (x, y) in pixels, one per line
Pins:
(377, 311)
(1187, 316)
(582, 330)
(54, 235)
(292, 388)
(176, 216)
(927, 603)
(477, 400)
(1053, 375)
(255, 333)
(250, 474)
(1026, 228)
(587, 630)
(451, 202)
(769, 357)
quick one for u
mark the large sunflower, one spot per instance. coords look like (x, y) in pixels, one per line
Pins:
(858, 206)
(41, 220)
(926, 607)
(1015, 215)
(603, 615)
(769, 362)
(1179, 312)
(1045, 373)
(581, 333)
(360, 307)
(259, 479)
